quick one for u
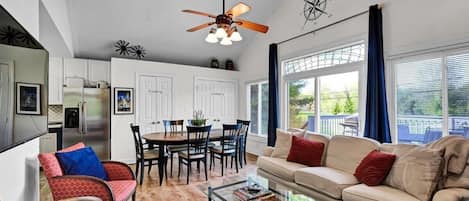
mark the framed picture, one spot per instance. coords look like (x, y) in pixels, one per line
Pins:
(123, 100)
(28, 98)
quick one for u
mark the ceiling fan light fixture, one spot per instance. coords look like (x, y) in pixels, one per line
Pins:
(226, 41)
(236, 36)
(221, 33)
(211, 37)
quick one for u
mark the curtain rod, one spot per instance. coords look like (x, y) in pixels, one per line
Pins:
(327, 26)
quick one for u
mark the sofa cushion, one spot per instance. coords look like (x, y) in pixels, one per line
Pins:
(346, 152)
(326, 180)
(416, 171)
(279, 167)
(374, 168)
(363, 192)
(83, 161)
(305, 152)
(283, 143)
(122, 189)
(319, 138)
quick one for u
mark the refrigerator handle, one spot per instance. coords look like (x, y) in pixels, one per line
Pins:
(80, 117)
(84, 123)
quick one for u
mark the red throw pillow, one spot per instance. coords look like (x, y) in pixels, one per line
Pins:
(374, 168)
(305, 152)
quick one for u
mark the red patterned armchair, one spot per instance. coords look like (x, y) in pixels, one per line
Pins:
(120, 187)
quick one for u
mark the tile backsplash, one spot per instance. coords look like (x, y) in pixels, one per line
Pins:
(55, 113)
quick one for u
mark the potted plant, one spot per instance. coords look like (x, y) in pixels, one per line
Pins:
(198, 118)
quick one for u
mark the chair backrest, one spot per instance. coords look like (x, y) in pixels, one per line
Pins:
(197, 139)
(50, 164)
(137, 140)
(173, 127)
(230, 137)
(244, 129)
(190, 122)
(432, 134)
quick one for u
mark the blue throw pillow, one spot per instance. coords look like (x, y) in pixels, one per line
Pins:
(81, 162)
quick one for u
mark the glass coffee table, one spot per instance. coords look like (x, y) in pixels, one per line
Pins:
(281, 192)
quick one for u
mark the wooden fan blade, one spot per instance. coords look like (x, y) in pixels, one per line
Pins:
(202, 26)
(252, 26)
(238, 10)
(199, 13)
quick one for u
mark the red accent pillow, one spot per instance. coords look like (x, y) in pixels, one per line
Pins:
(374, 168)
(305, 152)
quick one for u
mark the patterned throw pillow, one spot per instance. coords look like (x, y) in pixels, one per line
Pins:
(416, 171)
(374, 168)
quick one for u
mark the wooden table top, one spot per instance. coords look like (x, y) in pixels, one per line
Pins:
(159, 137)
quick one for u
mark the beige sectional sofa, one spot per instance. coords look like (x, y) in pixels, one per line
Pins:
(335, 179)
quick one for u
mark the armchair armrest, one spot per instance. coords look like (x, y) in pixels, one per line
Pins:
(71, 186)
(452, 194)
(268, 151)
(118, 171)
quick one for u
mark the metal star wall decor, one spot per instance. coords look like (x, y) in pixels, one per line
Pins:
(138, 51)
(314, 9)
(122, 47)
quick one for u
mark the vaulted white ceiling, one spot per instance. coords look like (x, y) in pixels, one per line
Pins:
(159, 26)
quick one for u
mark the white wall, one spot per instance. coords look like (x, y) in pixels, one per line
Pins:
(123, 74)
(408, 26)
(58, 12)
(19, 170)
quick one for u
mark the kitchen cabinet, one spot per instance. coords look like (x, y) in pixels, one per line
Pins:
(56, 81)
(98, 71)
(89, 71)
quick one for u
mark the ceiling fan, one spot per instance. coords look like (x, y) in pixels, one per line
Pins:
(226, 24)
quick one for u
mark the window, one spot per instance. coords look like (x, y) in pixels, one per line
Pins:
(422, 86)
(327, 101)
(345, 55)
(258, 108)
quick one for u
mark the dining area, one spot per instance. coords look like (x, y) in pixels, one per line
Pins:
(188, 144)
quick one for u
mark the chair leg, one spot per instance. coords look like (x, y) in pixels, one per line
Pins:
(231, 162)
(142, 166)
(221, 159)
(205, 168)
(149, 167)
(236, 163)
(166, 168)
(133, 196)
(137, 167)
(171, 155)
(179, 168)
(198, 167)
(211, 159)
(226, 162)
(188, 170)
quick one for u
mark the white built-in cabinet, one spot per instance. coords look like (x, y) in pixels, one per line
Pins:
(90, 71)
(154, 102)
(56, 81)
(217, 99)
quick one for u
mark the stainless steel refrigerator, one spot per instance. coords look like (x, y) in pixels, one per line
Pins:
(87, 119)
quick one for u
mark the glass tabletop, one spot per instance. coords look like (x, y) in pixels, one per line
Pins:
(271, 191)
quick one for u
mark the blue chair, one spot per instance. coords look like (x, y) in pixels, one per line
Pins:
(432, 134)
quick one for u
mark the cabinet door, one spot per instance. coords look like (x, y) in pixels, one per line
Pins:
(75, 69)
(98, 71)
(56, 82)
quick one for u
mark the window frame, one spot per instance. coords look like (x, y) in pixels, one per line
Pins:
(259, 84)
(441, 54)
(358, 66)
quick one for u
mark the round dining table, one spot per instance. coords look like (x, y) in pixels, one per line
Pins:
(162, 140)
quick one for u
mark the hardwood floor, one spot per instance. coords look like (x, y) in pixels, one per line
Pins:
(176, 189)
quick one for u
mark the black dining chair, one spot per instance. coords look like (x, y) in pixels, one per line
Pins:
(171, 128)
(196, 149)
(144, 156)
(243, 140)
(228, 146)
